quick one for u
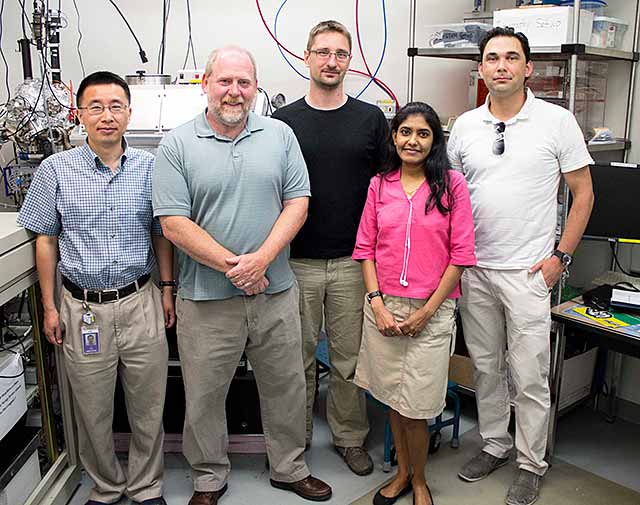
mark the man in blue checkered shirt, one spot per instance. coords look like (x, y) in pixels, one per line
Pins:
(91, 208)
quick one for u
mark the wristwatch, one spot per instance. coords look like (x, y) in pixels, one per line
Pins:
(171, 283)
(372, 295)
(565, 258)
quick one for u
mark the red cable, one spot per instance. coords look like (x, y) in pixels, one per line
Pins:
(375, 79)
(364, 60)
(264, 22)
(386, 88)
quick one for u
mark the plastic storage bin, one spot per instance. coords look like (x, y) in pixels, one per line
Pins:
(595, 6)
(546, 26)
(608, 32)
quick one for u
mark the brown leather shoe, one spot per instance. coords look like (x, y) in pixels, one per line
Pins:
(207, 497)
(310, 488)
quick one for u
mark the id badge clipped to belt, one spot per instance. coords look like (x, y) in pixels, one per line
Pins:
(89, 331)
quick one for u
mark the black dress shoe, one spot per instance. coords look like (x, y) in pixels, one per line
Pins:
(380, 499)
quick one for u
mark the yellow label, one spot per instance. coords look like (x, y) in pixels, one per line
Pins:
(601, 317)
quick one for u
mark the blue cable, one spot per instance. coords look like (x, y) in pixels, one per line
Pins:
(384, 48)
(275, 34)
(375, 74)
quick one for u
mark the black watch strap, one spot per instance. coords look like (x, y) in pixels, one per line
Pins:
(162, 284)
(565, 258)
(372, 295)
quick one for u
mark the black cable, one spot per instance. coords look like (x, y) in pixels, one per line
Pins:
(626, 285)
(13, 376)
(269, 106)
(20, 342)
(190, 47)
(166, 7)
(9, 347)
(75, 6)
(22, 18)
(46, 73)
(6, 65)
(193, 49)
(143, 55)
(24, 121)
(615, 258)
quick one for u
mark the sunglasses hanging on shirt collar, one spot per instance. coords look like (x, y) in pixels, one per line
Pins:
(498, 143)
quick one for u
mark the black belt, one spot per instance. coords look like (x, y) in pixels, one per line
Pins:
(105, 295)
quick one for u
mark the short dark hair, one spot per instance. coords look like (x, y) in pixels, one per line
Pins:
(102, 77)
(506, 31)
(328, 27)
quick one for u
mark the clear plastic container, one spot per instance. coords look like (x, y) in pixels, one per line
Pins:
(550, 81)
(595, 6)
(608, 32)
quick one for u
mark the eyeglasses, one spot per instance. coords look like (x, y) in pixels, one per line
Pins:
(498, 143)
(325, 54)
(95, 109)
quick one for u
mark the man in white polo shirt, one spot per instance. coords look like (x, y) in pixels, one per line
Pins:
(513, 151)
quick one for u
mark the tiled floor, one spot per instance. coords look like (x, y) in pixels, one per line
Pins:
(611, 451)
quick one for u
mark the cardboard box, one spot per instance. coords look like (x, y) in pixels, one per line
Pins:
(546, 26)
(13, 397)
(461, 370)
(22, 483)
(577, 377)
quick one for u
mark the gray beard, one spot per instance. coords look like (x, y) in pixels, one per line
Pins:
(230, 119)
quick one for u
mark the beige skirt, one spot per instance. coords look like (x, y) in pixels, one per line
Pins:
(409, 374)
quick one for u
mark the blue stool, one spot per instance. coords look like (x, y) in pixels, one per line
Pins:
(322, 359)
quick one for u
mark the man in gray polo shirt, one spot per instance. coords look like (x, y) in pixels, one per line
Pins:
(231, 190)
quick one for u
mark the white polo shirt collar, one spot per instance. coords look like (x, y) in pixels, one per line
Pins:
(522, 114)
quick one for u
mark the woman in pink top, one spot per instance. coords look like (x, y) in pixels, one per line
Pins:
(414, 240)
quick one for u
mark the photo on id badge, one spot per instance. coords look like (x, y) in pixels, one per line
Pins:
(90, 340)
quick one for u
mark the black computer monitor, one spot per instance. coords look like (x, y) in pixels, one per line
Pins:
(616, 212)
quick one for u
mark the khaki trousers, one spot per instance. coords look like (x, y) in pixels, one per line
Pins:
(509, 309)
(211, 338)
(334, 289)
(132, 345)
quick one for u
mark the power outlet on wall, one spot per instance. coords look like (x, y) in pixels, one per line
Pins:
(388, 107)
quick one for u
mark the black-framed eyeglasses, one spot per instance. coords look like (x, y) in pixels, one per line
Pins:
(95, 109)
(498, 143)
(325, 54)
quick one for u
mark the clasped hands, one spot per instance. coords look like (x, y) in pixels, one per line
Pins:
(248, 272)
(410, 327)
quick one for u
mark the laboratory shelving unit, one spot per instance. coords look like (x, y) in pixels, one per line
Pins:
(618, 151)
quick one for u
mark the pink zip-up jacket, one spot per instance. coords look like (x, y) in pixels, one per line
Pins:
(413, 249)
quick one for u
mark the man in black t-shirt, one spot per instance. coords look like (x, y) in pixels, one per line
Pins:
(343, 141)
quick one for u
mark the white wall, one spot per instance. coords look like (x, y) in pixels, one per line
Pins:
(107, 44)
